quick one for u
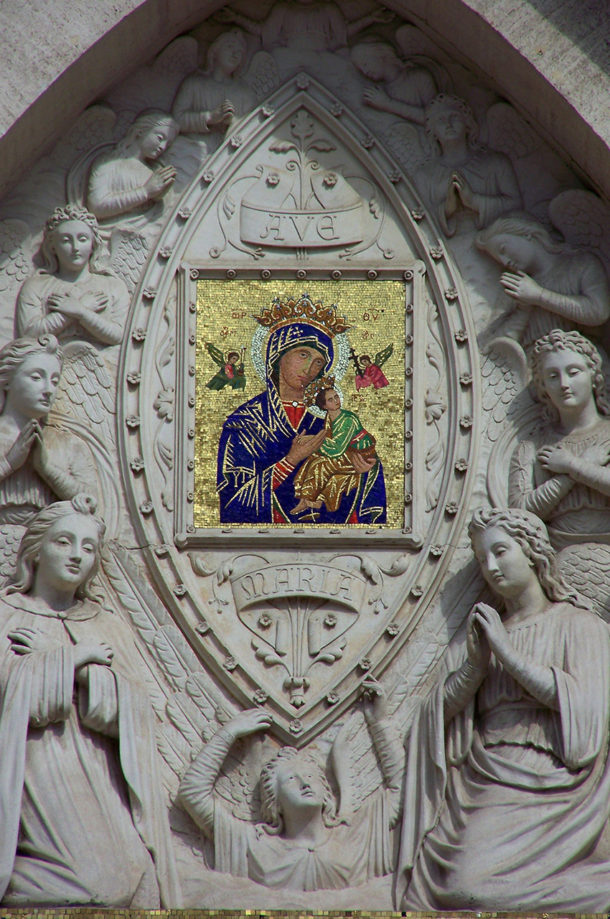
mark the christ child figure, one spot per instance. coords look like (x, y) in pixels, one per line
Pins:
(329, 473)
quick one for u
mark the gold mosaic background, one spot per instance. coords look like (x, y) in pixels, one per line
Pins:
(375, 312)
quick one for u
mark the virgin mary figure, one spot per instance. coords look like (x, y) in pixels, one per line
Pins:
(263, 442)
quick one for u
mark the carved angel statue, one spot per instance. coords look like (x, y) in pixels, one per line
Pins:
(209, 101)
(562, 472)
(70, 296)
(508, 778)
(84, 821)
(463, 178)
(551, 284)
(131, 178)
(30, 475)
(302, 842)
(310, 25)
(407, 87)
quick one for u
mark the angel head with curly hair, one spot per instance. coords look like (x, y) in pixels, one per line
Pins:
(527, 532)
(567, 374)
(293, 785)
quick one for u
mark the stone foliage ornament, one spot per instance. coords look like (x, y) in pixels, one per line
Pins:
(289, 302)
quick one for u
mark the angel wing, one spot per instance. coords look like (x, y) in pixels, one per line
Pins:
(583, 219)
(215, 353)
(92, 135)
(586, 567)
(382, 356)
(128, 253)
(509, 133)
(413, 42)
(155, 86)
(16, 254)
(403, 141)
(262, 76)
(10, 538)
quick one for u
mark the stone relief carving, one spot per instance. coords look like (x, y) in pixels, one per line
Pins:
(310, 148)
(303, 840)
(518, 733)
(65, 795)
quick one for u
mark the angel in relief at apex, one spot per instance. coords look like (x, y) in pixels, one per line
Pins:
(264, 442)
(507, 793)
(302, 842)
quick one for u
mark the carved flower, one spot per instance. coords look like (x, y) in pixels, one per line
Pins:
(466, 379)
(164, 404)
(132, 421)
(418, 213)
(134, 378)
(146, 507)
(202, 628)
(332, 698)
(180, 590)
(368, 141)
(461, 336)
(394, 176)
(465, 422)
(267, 111)
(434, 406)
(336, 110)
(461, 465)
(302, 81)
(260, 697)
(365, 663)
(162, 550)
(208, 176)
(236, 141)
(264, 621)
(451, 294)
(451, 508)
(137, 464)
(273, 179)
(436, 551)
(184, 213)
(392, 629)
(330, 621)
(229, 663)
(149, 293)
(417, 590)
(436, 252)
(165, 252)
(138, 334)
(296, 726)
(330, 179)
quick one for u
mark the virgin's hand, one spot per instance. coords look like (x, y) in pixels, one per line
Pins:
(27, 438)
(488, 620)
(90, 653)
(375, 97)
(249, 722)
(375, 701)
(66, 304)
(476, 641)
(557, 460)
(362, 464)
(25, 640)
(521, 287)
(465, 192)
(304, 445)
(95, 302)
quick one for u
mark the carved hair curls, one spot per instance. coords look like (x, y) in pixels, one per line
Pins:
(558, 340)
(61, 215)
(531, 535)
(17, 351)
(29, 550)
(270, 809)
